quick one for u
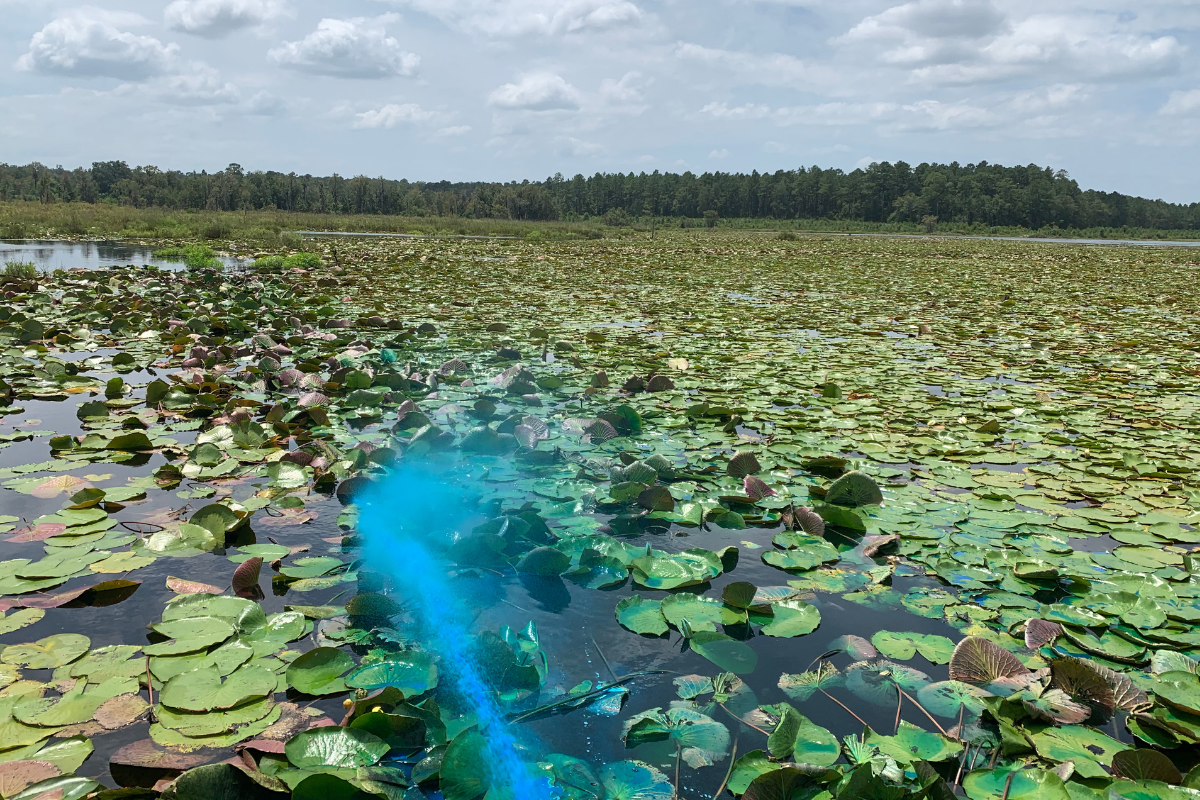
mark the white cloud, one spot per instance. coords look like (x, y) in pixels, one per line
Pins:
(1049, 98)
(764, 69)
(746, 111)
(973, 41)
(627, 90)
(1182, 103)
(348, 48)
(722, 153)
(199, 85)
(934, 115)
(932, 19)
(213, 19)
(391, 115)
(835, 114)
(1083, 46)
(536, 91)
(454, 130)
(265, 104)
(569, 145)
(87, 42)
(507, 18)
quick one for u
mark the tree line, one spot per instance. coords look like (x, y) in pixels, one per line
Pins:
(986, 194)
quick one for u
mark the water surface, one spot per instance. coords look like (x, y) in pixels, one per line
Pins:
(50, 254)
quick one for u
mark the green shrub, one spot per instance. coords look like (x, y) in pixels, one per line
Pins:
(21, 270)
(302, 261)
(269, 264)
(617, 218)
(217, 229)
(14, 230)
(73, 226)
(197, 256)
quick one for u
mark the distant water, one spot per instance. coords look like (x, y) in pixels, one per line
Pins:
(52, 255)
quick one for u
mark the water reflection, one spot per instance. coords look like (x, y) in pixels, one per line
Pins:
(52, 255)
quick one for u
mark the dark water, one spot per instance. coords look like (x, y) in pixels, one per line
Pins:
(52, 255)
(578, 628)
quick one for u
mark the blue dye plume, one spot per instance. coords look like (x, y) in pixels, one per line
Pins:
(410, 515)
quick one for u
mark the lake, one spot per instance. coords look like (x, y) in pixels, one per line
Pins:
(51, 255)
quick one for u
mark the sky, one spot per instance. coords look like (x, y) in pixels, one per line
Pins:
(1108, 90)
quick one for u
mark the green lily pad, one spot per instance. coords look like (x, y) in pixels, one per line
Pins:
(950, 698)
(792, 618)
(702, 740)
(412, 672)
(798, 736)
(203, 689)
(1090, 750)
(640, 615)
(699, 612)
(903, 646)
(1025, 784)
(319, 671)
(912, 743)
(335, 747)
(726, 652)
(189, 635)
(48, 653)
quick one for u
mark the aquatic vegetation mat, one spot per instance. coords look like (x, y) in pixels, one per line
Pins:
(754, 517)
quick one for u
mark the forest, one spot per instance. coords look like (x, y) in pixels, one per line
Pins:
(1031, 197)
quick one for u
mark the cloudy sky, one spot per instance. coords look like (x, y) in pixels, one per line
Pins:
(501, 89)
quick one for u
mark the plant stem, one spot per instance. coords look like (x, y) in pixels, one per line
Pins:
(739, 719)
(728, 772)
(923, 711)
(679, 757)
(1008, 784)
(586, 695)
(150, 687)
(607, 666)
(962, 761)
(845, 708)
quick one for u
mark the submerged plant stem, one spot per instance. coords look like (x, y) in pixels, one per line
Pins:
(581, 697)
(728, 772)
(739, 719)
(607, 666)
(846, 708)
(923, 711)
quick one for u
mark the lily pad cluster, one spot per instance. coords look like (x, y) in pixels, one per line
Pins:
(957, 431)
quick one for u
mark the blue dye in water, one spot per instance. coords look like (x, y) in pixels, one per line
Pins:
(410, 514)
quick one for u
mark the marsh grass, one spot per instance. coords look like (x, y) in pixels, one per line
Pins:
(263, 229)
(275, 230)
(20, 270)
(194, 256)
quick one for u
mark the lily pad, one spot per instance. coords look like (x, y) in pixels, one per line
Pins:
(413, 673)
(48, 653)
(320, 671)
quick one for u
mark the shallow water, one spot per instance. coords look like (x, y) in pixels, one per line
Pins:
(578, 628)
(50, 254)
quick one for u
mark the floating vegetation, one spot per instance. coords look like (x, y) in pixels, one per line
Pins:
(754, 516)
